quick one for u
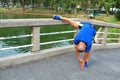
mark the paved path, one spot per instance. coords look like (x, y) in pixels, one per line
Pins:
(104, 65)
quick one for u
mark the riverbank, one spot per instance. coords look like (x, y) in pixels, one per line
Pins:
(50, 13)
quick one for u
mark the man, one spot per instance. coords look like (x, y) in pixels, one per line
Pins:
(82, 40)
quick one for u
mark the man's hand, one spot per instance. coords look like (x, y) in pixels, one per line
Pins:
(57, 17)
(82, 63)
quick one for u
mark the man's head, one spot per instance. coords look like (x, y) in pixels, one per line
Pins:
(81, 46)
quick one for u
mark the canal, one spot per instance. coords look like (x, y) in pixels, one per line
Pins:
(8, 32)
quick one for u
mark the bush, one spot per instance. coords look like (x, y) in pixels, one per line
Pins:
(117, 15)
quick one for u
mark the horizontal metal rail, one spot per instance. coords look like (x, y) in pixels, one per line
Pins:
(98, 38)
(29, 35)
(113, 38)
(114, 33)
(62, 32)
(42, 34)
(100, 32)
(45, 43)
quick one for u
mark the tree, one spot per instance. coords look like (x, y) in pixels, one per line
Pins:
(108, 4)
(5, 3)
(22, 2)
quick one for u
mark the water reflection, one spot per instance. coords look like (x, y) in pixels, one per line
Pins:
(6, 32)
(64, 43)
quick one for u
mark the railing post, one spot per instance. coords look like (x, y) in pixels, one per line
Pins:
(99, 35)
(119, 39)
(104, 42)
(76, 31)
(36, 38)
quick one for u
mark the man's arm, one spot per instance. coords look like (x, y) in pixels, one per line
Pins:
(81, 61)
(69, 21)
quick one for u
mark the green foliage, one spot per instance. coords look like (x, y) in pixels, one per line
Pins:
(113, 30)
(112, 19)
(65, 5)
(117, 15)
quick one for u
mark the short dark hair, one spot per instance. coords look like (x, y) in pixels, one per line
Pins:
(81, 51)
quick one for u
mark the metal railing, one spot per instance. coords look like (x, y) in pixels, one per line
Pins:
(35, 24)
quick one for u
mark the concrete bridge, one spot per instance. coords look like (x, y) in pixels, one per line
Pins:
(61, 63)
(104, 65)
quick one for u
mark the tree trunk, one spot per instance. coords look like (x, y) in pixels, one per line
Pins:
(88, 9)
(33, 4)
(22, 2)
(7, 4)
(107, 13)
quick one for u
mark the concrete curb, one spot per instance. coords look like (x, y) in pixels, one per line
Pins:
(34, 56)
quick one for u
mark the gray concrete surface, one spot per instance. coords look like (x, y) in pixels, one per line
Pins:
(103, 65)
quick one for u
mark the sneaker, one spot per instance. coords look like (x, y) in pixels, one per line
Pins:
(57, 17)
(86, 65)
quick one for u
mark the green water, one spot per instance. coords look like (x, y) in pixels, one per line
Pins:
(5, 32)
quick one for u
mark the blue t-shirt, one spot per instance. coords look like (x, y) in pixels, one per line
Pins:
(85, 34)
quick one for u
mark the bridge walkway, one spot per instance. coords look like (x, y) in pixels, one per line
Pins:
(103, 65)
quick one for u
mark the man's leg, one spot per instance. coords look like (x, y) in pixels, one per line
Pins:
(86, 58)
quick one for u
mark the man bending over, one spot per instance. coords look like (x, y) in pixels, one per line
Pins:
(82, 40)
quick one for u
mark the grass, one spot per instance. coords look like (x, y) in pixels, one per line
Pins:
(110, 19)
(47, 12)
